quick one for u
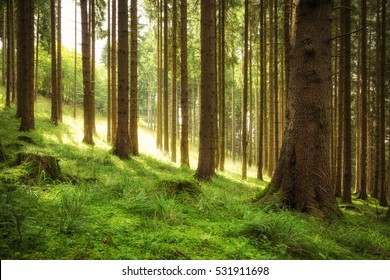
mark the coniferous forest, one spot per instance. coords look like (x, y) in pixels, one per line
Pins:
(186, 129)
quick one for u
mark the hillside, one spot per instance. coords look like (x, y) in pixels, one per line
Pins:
(100, 207)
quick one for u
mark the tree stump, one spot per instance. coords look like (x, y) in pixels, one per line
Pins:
(40, 166)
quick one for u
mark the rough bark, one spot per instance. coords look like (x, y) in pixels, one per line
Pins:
(302, 177)
(122, 141)
(86, 60)
(206, 163)
(26, 63)
(109, 99)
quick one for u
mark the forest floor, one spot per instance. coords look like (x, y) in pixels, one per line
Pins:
(100, 207)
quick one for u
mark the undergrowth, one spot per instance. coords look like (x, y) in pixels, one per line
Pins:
(147, 208)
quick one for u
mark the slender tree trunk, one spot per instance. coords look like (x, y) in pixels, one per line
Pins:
(114, 103)
(109, 98)
(276, 82)
(233, 118)
(347, 178)
(159, 74)
(59, 65)
(262, 94)
(25, 10)
(301, 180)
(93, 60)
(75, 63)
(36, 56)
(271, 140)
(383, 186)
(122, 142)
(174, 72)
(134, 81)
(86, 52)
(184, 157)
(362, 183)
(166, 115)
(54, 77)
(206, 163)
(377, 172)
(4, 49)
(245, 95)
(9, 52)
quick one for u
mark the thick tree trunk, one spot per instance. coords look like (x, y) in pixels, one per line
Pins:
(134, 84)
(184, 157)
(26, 63)
(122, 142)
(206, 162)
(86, 53)
(271, 136)
(302, 178)
(10, 47)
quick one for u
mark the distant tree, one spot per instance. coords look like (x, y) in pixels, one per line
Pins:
(165, 97)
(206, 163)
(244, 140)
(122, 141)
(109, 99)
(302, 177)
(25, 78)
(10, 51)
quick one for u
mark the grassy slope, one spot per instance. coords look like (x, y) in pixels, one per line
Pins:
(113, 209)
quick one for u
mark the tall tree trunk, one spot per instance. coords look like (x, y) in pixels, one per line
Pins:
(383, 186)
(184, 157)
(4, 48)
(271, 140)
(233, 118)
(114, 103)
(54, 77)
(174, 72)
(75, 63)
(93, 59)
(245, 94)
(10, 47)
(109, 99)
(206, 163)
(36, 56)
(25, 10)
(159, 75)
(86, 53)
(134, 84)
(59, 65)
(276, 82)
(262, 94)
(362, 183)
(122, 142)
(301, 180)
(166, 115)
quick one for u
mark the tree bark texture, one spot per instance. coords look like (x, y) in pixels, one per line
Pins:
(302, 177)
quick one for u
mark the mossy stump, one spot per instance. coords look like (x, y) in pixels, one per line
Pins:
(40, 166)
(177, 187)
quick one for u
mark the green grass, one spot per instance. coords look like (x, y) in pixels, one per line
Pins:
(106, 208)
